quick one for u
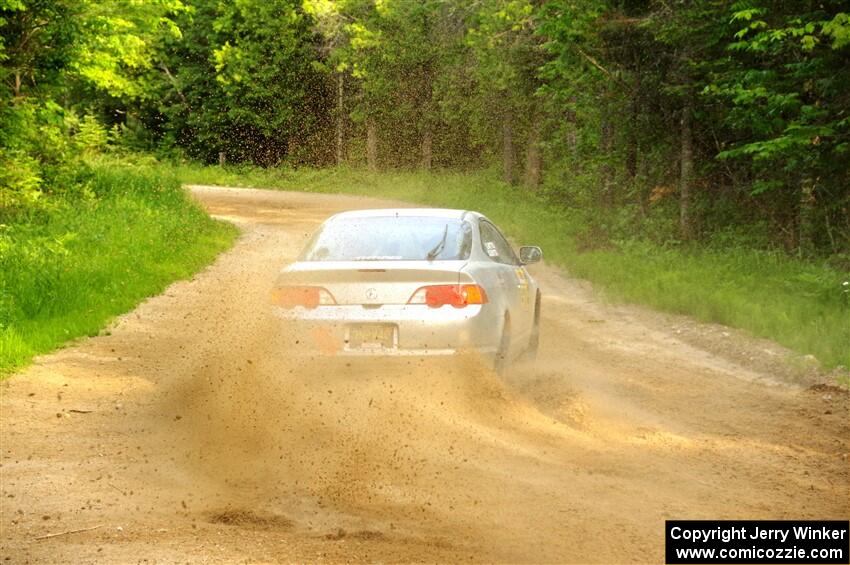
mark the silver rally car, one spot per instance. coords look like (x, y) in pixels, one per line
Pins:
(412, 281)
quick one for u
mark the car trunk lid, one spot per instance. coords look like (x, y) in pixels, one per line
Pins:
(373, 283)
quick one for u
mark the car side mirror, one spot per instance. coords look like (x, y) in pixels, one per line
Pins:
(530, 254)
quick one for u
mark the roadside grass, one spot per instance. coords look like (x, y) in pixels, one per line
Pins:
(67, 270)
(801, 305)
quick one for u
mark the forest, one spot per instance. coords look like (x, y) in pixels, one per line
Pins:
(669, 126)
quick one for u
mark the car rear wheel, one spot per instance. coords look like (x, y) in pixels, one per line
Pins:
(502, 358)
(534, 341)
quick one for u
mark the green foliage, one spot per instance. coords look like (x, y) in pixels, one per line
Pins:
(783, 107)
(54, 50)
(91, 137)
(36, 156)
(381, 47)
(117, 42)
(238, 81)
(594, 92)
(785, 115)
(263, 68)
(106, 45)
(769, 125)
(20, 182)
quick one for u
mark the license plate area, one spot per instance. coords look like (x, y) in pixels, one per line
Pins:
(371, 336)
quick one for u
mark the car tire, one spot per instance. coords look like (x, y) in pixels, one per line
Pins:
(501, 361)
(530, 353)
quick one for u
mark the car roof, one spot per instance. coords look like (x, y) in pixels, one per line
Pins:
(402, 213)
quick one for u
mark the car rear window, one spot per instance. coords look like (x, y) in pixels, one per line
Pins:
(391, 238)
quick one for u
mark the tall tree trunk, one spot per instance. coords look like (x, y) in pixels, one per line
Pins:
(805, 216)
(632, 139)
(635, 165)
(686, 170)
(427, 154)
(533, 159)
(786, 213)
(572, 138)
(371, 144)
(642, 193)
(340, 118)
(508, 150)
(606, 146)
(572, 135)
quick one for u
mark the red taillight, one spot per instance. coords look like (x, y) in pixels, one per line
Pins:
(306, 296)
(457, 295)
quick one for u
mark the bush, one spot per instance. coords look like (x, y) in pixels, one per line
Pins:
(66, 269)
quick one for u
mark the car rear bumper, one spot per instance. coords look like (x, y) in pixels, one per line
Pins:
(415, 330)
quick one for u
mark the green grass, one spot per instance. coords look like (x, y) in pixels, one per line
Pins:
(66, 271)
(798, 304)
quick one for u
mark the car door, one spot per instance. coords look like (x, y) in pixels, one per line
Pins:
(513, 280)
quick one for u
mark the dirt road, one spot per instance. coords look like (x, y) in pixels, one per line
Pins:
(187, 434)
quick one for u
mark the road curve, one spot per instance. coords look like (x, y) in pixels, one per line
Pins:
(186, 433)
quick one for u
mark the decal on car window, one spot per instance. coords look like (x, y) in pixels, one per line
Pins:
(490, 247)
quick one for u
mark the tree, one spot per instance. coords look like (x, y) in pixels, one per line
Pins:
(55, 50)
(264, 67)
(506, 56)
(784, 93)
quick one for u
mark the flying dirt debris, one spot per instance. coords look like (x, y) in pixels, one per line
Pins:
(225, 447)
